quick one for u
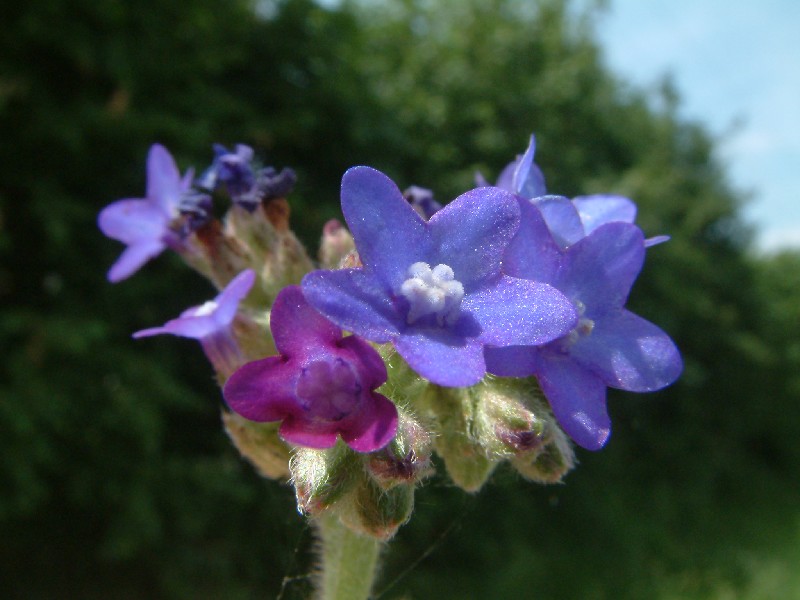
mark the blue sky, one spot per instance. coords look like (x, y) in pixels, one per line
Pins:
(736, 64)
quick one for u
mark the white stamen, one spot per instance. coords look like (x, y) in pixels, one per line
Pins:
(432, 292)
(205, 309)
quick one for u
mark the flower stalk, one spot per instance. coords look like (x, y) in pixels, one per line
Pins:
(348, 561)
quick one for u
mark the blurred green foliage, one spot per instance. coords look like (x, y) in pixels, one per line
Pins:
(116, 479)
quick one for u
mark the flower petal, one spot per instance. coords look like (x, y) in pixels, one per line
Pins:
(297, 328)
(562, 218)
(389, 234)
(374, 427)
(163, 179)
(629, 353)
(228, 300)
(355, 301)
(132, 220)
(372, 369)
(189, 327)
(132, 259)
(528, 180)
(520, 312)
(263, 390)
(511, 361)
(442, 356)
(472, 232)
(578, 400)
(600, 269)
(532, 253)
(300, 432)
(599, 209)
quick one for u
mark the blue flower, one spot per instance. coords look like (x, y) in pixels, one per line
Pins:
(143, 224)
(609, 346)
(521, 176)
(568, 220)
(435, 289)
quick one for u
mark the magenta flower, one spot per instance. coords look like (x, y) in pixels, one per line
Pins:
(435, 288)
(211, 323)
(322, 385)
(143, 224)
(609, 346)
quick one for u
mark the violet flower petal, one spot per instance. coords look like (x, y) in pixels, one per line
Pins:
(390, 235)
(132, 259)
(656, 240)
(600, 269)
(471, 234)
(301, 432)
(520, 312)
(527, 179)
(132, 220)
(578, 400)
(263, 390)
(598, 209)
(228, 300)
(375, 427)
(562, 218)
(163, 179)
(297, 328)
(194, 327)
(443, 357)
(511, 361)
(532, 253)
(354, 300)
(629, 353)
(370, 365)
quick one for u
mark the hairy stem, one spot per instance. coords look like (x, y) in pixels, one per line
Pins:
(348, 561)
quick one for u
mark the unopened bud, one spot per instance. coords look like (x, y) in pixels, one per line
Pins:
(336, 244)
(260, 444)
(467, 462)
(550, 463)
(407, 458)
(373, 511)
(269, 245)
(323, 477)
(510, 417)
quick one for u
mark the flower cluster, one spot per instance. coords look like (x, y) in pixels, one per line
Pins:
(483, 330)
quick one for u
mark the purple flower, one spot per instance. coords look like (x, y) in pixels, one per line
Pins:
(211, 324)
(246, 186)
(609, 346)
(143, 224)
(422, 200)
(322, 385)
(568, 220)
(435, 289)
(521, 176)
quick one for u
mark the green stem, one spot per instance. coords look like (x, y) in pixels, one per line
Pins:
(349, 561)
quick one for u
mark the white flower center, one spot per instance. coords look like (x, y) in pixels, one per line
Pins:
(432, 292)
(205, 309)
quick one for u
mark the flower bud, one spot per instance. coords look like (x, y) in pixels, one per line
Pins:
(550, 463)
(260, 444)
(510, 417)
(407, 458)
(336, 244)
(269, 245)
(376, 512)
(466, 460)
(323, 477)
